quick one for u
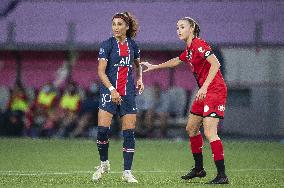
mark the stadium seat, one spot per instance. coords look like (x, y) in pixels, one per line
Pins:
(144, 100)
(4, 97)
(178, 100)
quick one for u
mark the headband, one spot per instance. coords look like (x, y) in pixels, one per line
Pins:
(122, 16)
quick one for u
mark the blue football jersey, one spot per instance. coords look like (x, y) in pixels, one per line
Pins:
(120, 61)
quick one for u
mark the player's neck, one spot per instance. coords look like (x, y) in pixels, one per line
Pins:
(189, 40)
(121, 39)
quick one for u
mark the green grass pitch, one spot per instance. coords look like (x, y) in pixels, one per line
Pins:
(158, 163)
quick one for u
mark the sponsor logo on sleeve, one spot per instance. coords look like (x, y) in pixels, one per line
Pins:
(208, 53)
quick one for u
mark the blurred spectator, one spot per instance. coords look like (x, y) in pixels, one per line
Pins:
(4, 98)
(17, 106)
(88, 115)
(18, 99)
(68, 109)
(155, 105)
(177, 102)
(143, 103)
(40, 110)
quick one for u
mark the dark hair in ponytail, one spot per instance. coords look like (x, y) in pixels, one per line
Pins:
(131, 21)
(193, 24)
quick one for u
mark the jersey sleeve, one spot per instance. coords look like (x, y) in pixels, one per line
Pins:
(136, 51)
(182, 56)
(105, 49)
(203, 49)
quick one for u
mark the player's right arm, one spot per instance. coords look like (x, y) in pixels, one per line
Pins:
(168, 64)
(104, 54)
(115, 97)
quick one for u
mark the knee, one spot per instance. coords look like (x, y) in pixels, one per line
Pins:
(211, 135)
(192, 130)
(128, 122)
(128, 126)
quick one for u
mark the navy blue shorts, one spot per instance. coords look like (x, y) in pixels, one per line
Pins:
(127, 106)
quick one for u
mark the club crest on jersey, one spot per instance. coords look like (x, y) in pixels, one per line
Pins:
(201, 50)
(101, 51)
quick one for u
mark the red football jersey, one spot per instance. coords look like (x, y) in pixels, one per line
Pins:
(195, 56)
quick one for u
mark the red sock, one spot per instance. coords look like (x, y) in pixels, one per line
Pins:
(196, 143)
(217, 150)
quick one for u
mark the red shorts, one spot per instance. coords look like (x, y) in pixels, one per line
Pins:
(212, 106)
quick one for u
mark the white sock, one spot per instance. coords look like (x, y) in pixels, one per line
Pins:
(127, 171)
(104, 162)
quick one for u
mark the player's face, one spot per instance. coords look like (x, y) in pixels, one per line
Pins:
(184, 30)
(119, 27)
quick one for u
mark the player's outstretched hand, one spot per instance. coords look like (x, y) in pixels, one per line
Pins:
(148, 65)
(140, 86)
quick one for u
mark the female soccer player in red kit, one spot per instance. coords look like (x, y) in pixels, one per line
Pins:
(118, 56)
(209, 104)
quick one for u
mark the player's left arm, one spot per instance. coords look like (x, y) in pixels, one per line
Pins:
(139, 83)
(215, 65)
(205, 52)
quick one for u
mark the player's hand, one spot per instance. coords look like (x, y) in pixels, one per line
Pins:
(140, 86)
(201, 94)
(148, 65)
(115, 97)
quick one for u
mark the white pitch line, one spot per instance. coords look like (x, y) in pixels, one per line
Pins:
(41, 173)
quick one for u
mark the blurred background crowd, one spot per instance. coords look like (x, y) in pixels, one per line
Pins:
(49, 111)
(48, 65)
(71, 111)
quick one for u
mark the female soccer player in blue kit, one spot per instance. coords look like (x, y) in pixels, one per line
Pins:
(117, 56)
